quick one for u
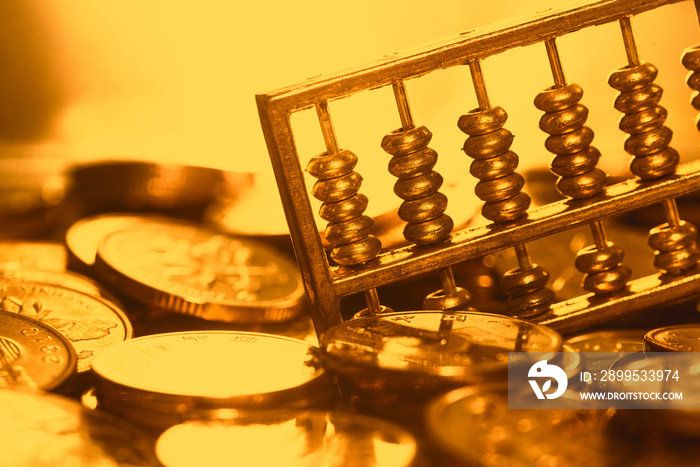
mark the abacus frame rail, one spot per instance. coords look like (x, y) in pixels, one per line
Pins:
(326, 284)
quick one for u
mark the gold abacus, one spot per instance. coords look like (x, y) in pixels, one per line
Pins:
(357, 264)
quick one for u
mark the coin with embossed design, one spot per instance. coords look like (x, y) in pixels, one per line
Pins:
(410, 356)
(195, 271)
(84, 235)
(32, 354)
(679, 338)
(89, 323)
(163, 379)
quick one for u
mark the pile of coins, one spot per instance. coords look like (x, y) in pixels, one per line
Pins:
(138, 332)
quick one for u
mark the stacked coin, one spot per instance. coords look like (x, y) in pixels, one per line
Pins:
(164, 379)
(35, 284)
(42, 430)
(394, 362)
(613, 340)
(290, 439)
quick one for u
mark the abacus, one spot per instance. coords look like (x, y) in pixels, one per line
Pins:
(357, 263)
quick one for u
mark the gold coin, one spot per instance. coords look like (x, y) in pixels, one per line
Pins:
(191, 270)
(43, 430)
(289, 439)
(89, 323)
(69, 280)
(84, 235)
(427, 351)
(475, 426)
(50, 256)
(189, 373)
(32, 354)
(617, 340)
(679, 338)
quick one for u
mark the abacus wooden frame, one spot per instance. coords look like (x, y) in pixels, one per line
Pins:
(326, 284)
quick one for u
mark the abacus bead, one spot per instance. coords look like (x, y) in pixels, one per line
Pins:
(506, 210)
(351, 230)
(530, 305)
(584, 185)
(480, 122)
(459, 300)
(488, 145)
(418, 187)
(564, 121)
(677, 261)
(337, 189)
(423, 209)
(494, 167)
(593, 260)
(646, 120)
(326, 165)
(356, 252)
(418, 163)
(665, 238)
(570, 143)
(569, 165)
(554, 99)
(500, 188)
(345, 209)
(520, 282)
(691, 58)
(403, 142)
(693, 80)
(608, 281)
(650, 142)
(630, 78)
(432, 231)
(645, 98)
(655, 165)
(695, 101)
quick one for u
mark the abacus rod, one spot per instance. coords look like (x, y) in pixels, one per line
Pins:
(372, 298)
(324, 118)
(479, 85)
(598, 232)
(524, 261)
(448, 280)
(628, 39)
(403, 105)
(671, 211)
(555, 63)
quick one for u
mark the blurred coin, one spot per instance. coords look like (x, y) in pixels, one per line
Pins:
(679, 338)
(124, 185)
(288, 438)
(412, 355)
(50, 256)
(474, 426)
(616, 340)
(84, 235)
(89, 323)
(32, 195)
(32, 354)
(183, 375)
(42, 430)
(194, 271)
